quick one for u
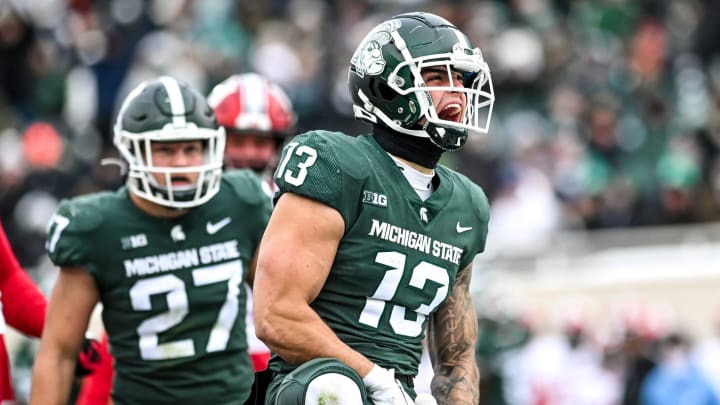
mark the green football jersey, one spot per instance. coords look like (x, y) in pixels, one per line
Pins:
(171, 289)
(399, 256)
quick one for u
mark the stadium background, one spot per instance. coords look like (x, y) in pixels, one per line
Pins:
(601, 165)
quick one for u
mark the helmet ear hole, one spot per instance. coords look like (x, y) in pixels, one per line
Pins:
(384, 91)
(380, 89)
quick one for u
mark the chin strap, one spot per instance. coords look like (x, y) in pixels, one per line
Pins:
(446, 138)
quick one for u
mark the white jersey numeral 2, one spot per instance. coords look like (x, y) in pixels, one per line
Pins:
(177, 302)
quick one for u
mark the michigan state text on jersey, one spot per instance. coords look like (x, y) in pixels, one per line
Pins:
(173, 302)
(399, 256)
(391, 236)
(166, 256)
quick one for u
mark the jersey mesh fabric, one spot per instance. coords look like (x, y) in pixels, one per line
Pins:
(399, 256)
(173, 305)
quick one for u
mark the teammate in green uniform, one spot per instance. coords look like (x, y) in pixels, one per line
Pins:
(166, 255)
(371, 242)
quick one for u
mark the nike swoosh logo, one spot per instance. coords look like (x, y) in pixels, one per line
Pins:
(461, 229)
(214, 228)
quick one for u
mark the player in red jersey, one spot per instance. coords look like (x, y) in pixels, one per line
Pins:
(23, 308)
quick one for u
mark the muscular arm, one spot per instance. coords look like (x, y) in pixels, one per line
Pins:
(453, 335)
(295, 257)
(250, 276)
(71, 304)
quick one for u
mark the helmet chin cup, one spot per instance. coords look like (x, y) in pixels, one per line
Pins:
(446, 138)
(180, 196)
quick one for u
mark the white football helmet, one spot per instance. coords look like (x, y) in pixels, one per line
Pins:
(387, 87)
(168, 110)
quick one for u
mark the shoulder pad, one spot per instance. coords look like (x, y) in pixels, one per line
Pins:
(84, 212)
(246, 184)
(474, 193)
(325, 166)
(479, 200)
(71, 227)
(339, 149)
(479, 208)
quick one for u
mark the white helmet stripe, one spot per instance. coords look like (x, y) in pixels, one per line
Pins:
(254, 110)
(254, 85)
(177, 106)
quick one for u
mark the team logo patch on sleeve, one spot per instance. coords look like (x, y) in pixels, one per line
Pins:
(134, 241)
(373, 198)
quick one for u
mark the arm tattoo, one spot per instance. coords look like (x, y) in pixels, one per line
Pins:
(453, 332)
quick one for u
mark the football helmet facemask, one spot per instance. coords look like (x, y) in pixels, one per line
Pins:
(168, 110)
(386, 84)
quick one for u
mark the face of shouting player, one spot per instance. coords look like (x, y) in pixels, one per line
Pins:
(450, 105)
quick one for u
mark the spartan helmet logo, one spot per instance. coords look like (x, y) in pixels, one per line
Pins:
(368, 57)
(423, 214)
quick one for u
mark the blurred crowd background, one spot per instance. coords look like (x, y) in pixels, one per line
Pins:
(606, 112)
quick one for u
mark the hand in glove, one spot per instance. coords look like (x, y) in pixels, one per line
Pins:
(384, 389)
(89, 358)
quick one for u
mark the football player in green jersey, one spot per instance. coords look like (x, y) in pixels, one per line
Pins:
(166, 255)
(371, 242)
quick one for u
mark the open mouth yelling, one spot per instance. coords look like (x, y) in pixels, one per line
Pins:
(180, 181)
(451, 112)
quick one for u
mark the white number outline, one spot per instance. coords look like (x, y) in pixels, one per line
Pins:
(292, 149)
(421, 273)
(62, 222)
(177, 300)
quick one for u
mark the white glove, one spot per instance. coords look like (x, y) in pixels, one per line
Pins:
(384, 389)
(425, 399)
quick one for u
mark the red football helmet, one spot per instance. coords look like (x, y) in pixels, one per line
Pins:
(251, 103)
